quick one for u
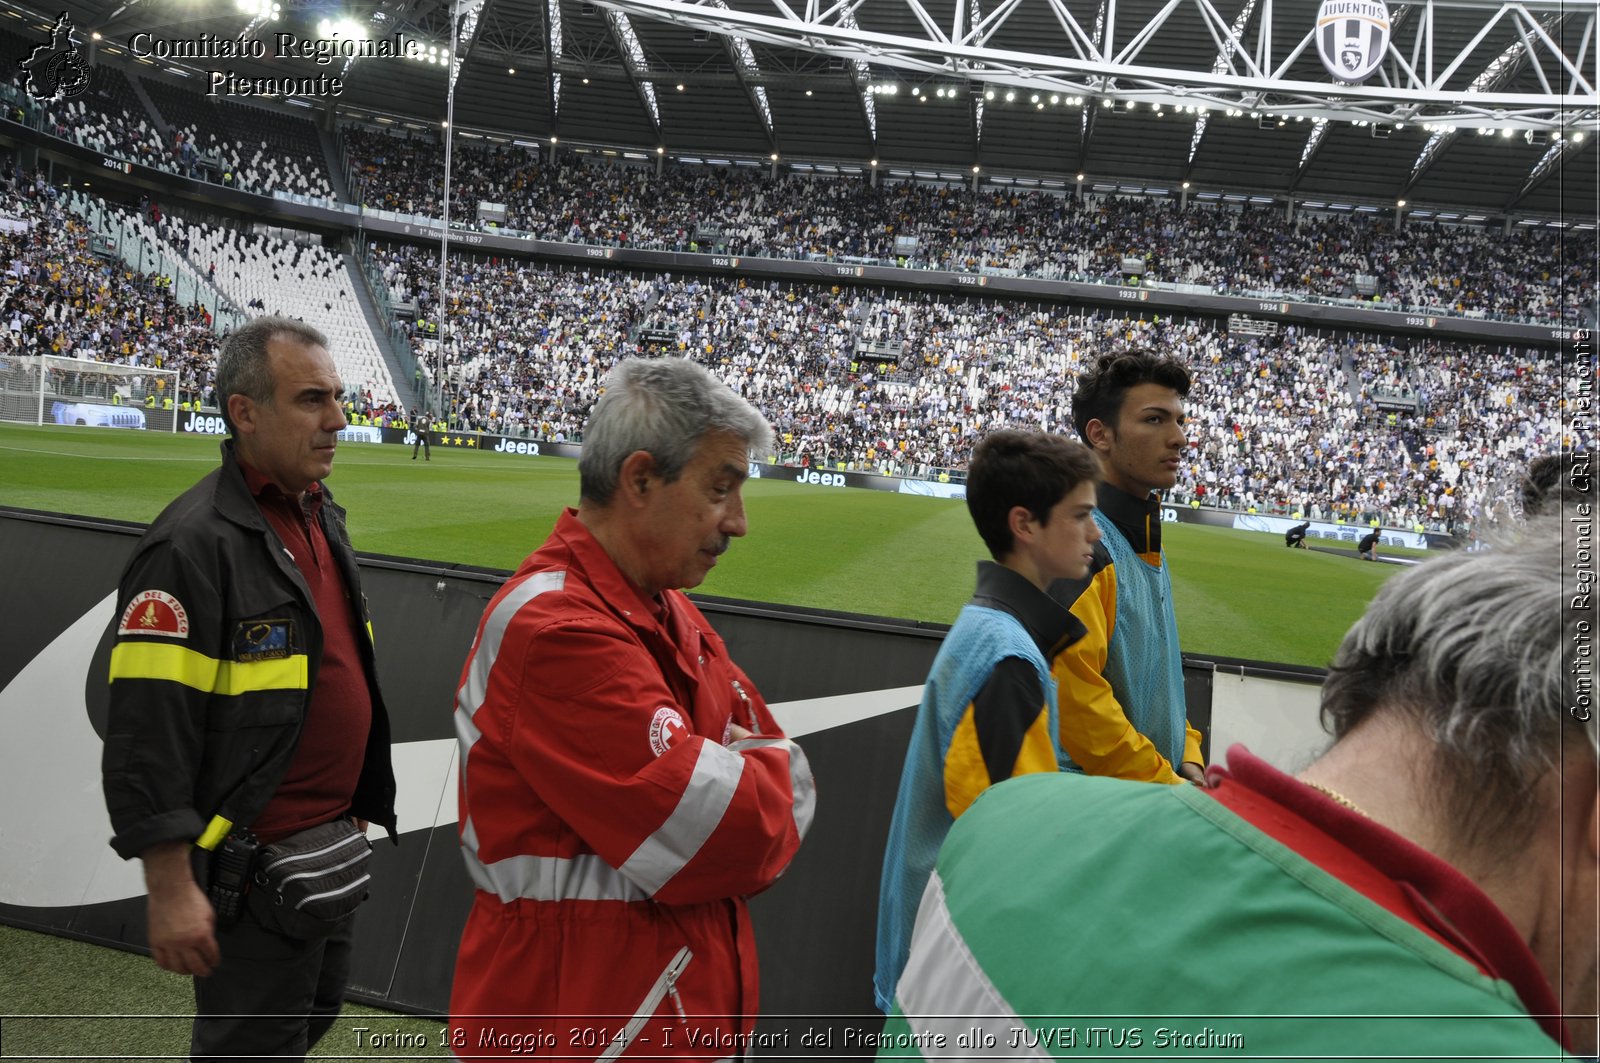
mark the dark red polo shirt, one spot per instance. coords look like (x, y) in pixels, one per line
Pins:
(327, 763)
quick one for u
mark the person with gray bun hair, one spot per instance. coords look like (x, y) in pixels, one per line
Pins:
(623, 786)
(1436, 866)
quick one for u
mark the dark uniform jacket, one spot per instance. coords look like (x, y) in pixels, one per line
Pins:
(215, 654)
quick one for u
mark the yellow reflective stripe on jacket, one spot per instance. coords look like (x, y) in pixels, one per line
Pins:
(179, 664)
(965, 774)
(215, 831)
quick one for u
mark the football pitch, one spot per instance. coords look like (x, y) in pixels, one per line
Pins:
(1238, 594)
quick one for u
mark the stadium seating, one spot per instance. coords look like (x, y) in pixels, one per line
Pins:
(297, 280)
(109, 117)
(1428, 267)
(1288, 421)
(61, 298)
(262, 150)
(65, 299)
(1284, 423)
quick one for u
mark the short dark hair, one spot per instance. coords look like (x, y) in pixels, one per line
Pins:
(1101, 389)
(1032, 469)
(242, 366)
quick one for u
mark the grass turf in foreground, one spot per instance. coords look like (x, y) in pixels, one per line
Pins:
(1238, 594)
(68, 999)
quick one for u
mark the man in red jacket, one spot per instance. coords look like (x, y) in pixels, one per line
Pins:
(623, 786)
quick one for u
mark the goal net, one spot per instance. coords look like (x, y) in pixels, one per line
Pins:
(48, 389)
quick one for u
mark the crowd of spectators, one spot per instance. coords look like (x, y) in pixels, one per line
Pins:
(58, 296)
(1280, 424)
(1424, 266)
(1332, 426)
(1302, 422)
(406, 174)
(61, 298)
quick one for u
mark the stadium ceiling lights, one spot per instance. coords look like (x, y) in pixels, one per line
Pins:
(262, 9)
(343, 28)
(1263, 60)
(437, 56)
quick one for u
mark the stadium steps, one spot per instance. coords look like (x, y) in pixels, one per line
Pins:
(402, 376)
(161, 124)
(642, 319)
(333, 162)
(202, 278)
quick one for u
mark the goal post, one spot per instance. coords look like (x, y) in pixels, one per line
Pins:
(50, 389)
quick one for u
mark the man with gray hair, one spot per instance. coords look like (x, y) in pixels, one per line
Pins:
(623, 786)
(244, 705)
(1436, 867)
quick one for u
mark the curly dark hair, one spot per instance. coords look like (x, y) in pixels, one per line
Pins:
(1101, 389)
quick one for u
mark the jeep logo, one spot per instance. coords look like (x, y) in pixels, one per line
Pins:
(508, 446)
(826, 479)
(207, 426)
(1168, 515)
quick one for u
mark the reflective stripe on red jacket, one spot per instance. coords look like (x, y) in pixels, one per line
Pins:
(611, 830)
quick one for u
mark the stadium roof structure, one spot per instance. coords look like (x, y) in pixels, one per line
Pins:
(1485, 105)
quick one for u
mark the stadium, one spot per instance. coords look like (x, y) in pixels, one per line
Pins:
(893, 228)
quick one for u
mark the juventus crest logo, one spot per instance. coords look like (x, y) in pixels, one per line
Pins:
(1352, 37)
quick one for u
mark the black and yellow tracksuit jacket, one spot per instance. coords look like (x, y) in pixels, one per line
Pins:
(1122, 699)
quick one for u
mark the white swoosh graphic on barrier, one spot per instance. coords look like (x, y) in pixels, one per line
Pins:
(799, 718)
(54, 830)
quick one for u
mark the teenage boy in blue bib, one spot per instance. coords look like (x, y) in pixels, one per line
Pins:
(988, 710)
(1123, 712)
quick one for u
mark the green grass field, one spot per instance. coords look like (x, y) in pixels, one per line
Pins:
(1238, 594)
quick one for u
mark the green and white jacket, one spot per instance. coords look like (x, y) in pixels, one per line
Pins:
(1073, 916)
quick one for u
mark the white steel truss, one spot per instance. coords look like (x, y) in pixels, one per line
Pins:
(1262, 58)
(749, 71)
(553, 43)
(638, 66)
(860, 76)
(466, 29)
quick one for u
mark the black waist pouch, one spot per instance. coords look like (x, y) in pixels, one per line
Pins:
(309, 883)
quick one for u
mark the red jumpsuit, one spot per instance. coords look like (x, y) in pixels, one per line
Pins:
(611, 829)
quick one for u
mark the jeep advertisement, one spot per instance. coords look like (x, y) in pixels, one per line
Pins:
(98, 414)
(195, 422)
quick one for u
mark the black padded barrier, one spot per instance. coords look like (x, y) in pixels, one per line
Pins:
(815, 926)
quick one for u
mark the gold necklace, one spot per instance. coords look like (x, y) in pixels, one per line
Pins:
(1337, 798)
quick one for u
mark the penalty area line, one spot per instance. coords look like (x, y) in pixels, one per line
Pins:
(100, 457)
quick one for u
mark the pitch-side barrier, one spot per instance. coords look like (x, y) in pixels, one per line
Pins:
(844, 686)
